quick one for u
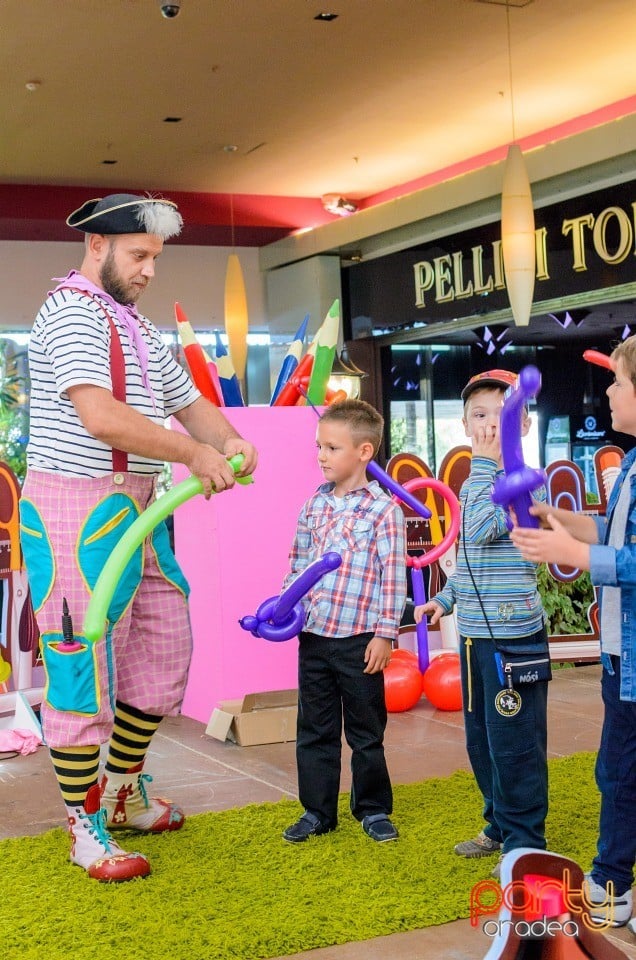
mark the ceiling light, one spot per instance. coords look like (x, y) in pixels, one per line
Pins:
(517, 220)
(327, 17)
(230, 148)
(33, 85)
(172, 119)
(338, 205)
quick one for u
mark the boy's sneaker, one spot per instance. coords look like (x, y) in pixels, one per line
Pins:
(308, 826)
(614, 911)
(379, 828)
(495, 873)
(480, 846)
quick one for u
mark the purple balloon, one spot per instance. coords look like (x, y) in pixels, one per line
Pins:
(283, 617)
(303, 584)
(515, 487)
(265, 627)
(421, 629)
(387, 481)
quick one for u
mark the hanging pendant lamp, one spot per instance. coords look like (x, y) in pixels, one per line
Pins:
(517, 221)
(517, 236)
(236, 320)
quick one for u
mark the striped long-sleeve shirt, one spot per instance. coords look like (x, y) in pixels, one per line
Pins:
(70, 345)
(367, 593)
(505, 582)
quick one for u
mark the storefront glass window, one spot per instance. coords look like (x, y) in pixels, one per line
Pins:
(425, 408)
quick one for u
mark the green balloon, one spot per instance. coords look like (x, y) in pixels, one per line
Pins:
(136, 534)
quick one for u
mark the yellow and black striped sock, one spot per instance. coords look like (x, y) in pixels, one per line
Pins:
(130, 739)
(76, 769)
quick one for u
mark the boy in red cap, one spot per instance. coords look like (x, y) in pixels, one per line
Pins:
(498, 604)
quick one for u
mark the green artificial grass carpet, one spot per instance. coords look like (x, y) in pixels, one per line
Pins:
(227, 887)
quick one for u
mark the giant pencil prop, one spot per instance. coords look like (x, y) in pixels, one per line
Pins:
(196, 358)
(291, 359)
(230, 387)
(293, 389)
(136, 533)
(236, 321)
(214, 374)
(326, 340)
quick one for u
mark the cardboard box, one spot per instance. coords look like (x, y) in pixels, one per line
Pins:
(268, 717)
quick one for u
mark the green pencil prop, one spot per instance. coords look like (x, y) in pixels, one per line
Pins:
(327, 339)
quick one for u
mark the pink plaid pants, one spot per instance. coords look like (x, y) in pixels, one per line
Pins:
(151, 643)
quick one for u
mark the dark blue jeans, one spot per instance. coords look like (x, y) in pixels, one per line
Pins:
(508, 754)
(333, 691)
(616, 781)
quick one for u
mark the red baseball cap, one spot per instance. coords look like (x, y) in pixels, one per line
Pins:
(490, 378)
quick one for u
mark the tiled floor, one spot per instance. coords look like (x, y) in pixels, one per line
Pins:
(204, 774)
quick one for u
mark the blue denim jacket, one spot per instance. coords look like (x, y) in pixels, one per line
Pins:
(617, 568)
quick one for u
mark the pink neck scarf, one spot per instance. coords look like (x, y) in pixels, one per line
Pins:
(127, 315)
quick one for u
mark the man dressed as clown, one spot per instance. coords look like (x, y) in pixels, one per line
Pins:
(102, 384)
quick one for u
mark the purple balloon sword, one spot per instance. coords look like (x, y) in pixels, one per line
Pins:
(514, 488)
(283, 617)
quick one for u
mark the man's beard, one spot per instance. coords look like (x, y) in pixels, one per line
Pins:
(114, 285)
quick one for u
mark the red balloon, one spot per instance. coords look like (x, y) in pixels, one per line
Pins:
(407, 656)
(442, 684)
(402, 684)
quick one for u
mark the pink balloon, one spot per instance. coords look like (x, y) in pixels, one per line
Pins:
(419, 483)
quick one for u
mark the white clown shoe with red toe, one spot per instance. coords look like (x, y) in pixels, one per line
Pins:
(129, 807)
(93, 848)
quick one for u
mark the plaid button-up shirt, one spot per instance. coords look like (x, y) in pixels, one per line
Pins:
(367, 593)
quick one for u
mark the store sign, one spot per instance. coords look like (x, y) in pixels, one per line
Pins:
(582, 244)
(587, 429)
(607, 237)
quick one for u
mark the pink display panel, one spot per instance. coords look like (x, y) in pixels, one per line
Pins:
(234, 551)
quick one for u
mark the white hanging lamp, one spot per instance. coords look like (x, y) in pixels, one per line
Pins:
(517, 223)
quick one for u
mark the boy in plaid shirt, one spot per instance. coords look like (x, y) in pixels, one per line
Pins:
(353, 616)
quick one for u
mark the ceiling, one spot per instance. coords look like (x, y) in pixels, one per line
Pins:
(273, 103)
(248, 111)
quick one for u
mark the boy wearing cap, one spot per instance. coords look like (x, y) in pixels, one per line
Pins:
(102, 384)
(495, 593)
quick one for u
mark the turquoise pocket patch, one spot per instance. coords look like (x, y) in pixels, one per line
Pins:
(38, 555)
(103, 529)
(71, 677)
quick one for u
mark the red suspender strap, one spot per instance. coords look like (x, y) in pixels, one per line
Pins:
(117, 374)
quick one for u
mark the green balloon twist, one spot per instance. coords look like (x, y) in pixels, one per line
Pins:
(136, 534)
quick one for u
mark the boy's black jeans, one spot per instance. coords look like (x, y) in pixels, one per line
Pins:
(333, 690)
(508, 754)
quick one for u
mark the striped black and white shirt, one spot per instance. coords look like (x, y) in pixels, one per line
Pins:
(70, 345)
